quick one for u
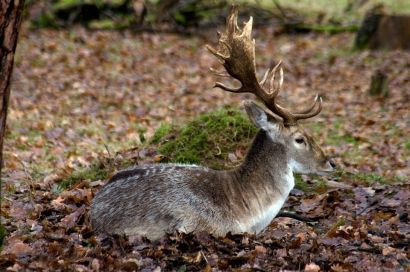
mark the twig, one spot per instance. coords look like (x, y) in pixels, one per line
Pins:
(281, 10)
(297, 217)
(339, 185)
(203, 255)
(108, 150)
(373, 249)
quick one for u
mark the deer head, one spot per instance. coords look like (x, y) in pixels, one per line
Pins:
(236, 52)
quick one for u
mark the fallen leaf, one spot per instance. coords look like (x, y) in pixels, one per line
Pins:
(312, 267)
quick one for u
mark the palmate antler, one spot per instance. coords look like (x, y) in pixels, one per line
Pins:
(236, 51)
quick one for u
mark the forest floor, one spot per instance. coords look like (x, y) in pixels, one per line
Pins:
(80, 96)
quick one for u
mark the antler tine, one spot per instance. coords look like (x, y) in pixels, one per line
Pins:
(265, 77)
(272, 72)
(221, 57)
(312, 112)
(229, 89)
(275, 89)
(309, 108)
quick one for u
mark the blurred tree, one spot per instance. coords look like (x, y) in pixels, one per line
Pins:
(380, 30)
(10, 19)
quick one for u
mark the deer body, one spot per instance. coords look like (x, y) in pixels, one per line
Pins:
(154, 199)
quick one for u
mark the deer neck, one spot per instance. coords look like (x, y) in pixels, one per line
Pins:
(267, 163)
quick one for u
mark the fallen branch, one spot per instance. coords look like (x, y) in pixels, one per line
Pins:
(297, 217)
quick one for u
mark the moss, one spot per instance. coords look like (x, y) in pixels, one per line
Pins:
(207, 139)
(65, 4)
(160, 133)
(102, 24)
(340, 222)
(316, 127)
(2, 235)
(370, 178)
(300, 184)
(407, 144)
(366, 178)
(100, 170)
(336, 139)
(108, 24)
(182, 268)
(319, 186)
(96, 171)
(46, 19)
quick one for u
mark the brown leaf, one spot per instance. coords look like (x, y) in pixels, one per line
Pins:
(296, 242)
(390, 203)
(260, 250)
(17, 248)
(312, 267)
(95, 264)
(310, 204)
(69, 221)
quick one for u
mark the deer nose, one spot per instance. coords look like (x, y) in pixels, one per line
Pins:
(331, 163)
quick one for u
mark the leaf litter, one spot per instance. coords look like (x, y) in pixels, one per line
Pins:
(79, 96)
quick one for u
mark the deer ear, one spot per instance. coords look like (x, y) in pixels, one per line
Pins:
(256, 114)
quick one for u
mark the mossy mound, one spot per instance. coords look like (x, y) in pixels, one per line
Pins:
(217, 139)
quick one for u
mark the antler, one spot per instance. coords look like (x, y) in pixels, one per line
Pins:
(236, 52)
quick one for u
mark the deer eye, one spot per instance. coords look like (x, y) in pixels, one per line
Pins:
(300, 140)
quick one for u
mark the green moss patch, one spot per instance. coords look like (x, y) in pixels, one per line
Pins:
(207, 139)
(98, 171)
(2, 235)
(407, 145)
(369, 178)
(160, 133)
(319, 186)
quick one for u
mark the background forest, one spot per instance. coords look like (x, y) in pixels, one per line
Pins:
(99, 85)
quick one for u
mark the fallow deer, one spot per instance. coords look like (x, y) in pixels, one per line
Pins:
(151, 200)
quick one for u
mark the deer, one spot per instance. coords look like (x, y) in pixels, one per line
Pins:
(154, 199)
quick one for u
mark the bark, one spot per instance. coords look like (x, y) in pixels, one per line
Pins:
(10, 19)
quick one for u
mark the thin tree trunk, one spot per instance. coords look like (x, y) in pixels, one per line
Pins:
(10, 18)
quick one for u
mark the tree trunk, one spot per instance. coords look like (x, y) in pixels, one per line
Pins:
(10, 18)
(379, 84)
(383, 31)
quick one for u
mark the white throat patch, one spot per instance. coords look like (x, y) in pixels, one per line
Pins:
(295, 166)
(262, 218)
